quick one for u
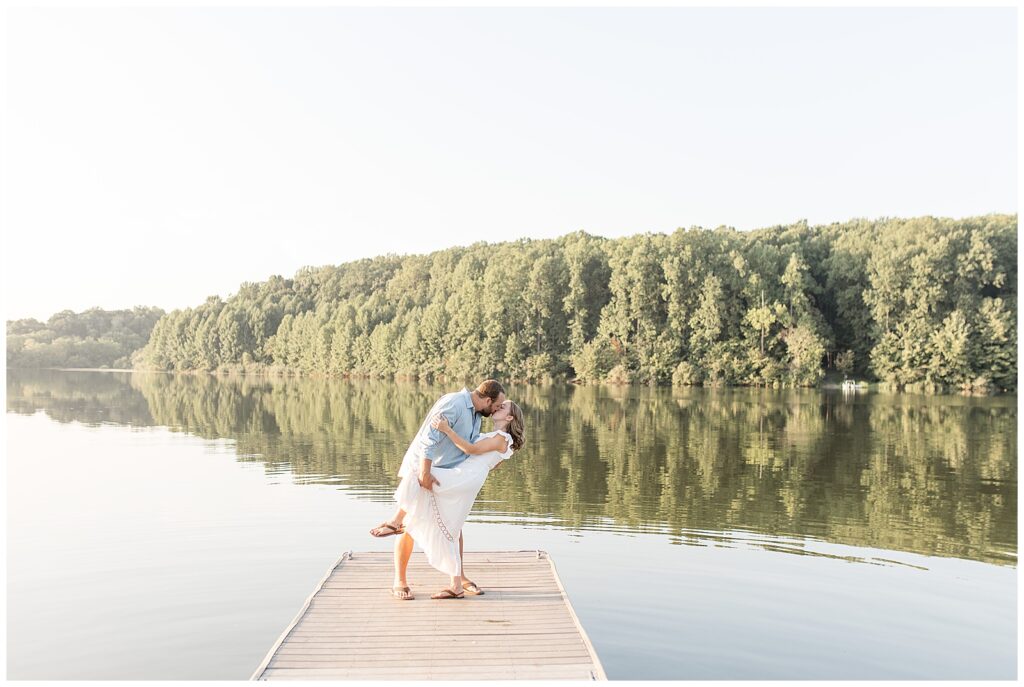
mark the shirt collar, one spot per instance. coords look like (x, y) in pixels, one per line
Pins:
(469, 399)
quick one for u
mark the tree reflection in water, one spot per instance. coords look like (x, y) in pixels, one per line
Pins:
(935, 475)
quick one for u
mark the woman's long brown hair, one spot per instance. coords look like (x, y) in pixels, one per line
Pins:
(515, 425)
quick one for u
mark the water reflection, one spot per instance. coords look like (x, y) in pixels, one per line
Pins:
(783, 470)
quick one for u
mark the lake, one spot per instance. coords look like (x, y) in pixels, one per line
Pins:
(166, 526)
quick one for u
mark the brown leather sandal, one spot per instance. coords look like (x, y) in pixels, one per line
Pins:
(447, 594)
(472, 589)
(386, 529)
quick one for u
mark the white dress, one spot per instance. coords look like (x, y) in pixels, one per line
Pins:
(434, 518)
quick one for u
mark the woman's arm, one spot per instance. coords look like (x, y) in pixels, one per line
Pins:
(495, 443)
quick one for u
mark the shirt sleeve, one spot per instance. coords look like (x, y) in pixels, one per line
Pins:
(430, 441)
(474, 433)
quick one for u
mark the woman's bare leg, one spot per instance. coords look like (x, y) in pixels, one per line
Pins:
(457, 579)
(462, 576)
(462, 564)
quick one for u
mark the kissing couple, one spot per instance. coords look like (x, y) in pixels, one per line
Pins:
(443, 470)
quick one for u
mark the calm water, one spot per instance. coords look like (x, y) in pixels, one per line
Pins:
(169, 527)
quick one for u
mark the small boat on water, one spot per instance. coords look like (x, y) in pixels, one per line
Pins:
(854, 385)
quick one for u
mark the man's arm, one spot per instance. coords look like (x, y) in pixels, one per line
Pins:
(426, 478)
(430, 443)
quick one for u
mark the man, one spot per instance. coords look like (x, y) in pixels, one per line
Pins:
(463, 410)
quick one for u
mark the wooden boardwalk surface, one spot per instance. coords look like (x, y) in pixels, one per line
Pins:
(522, 627)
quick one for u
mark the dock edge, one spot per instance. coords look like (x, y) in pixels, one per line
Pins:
(298, 616)
(599, 673)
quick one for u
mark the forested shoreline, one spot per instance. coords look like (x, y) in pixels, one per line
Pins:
(92, 338)
(923, 303)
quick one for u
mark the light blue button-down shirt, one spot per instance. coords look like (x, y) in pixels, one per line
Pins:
(457, 409)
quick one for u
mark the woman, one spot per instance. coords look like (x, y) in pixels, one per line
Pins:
(434, 518)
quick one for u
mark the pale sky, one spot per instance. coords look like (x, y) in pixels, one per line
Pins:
(157, 156)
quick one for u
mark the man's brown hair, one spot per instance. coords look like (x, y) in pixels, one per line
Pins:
(491, 388)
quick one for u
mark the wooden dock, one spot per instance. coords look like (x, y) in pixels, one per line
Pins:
(522, 628)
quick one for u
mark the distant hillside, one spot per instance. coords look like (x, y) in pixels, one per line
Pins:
(924, 303)
(94, 338)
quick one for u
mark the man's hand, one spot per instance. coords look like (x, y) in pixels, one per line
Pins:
(426, 479)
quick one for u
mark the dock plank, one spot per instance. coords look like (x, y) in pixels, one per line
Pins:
(522, 628)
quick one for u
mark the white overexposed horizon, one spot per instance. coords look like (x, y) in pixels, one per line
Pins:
(157, 156)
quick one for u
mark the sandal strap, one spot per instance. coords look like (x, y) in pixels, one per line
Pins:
(389, 526)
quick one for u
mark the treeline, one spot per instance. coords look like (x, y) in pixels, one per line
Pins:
(924, 302)
(93, 338)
